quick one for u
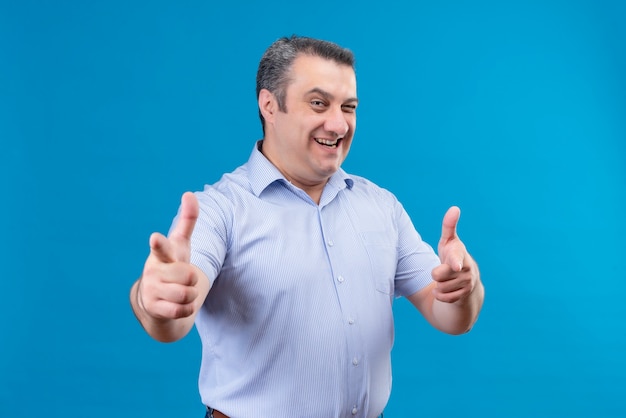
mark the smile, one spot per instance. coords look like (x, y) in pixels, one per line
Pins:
(328, 142)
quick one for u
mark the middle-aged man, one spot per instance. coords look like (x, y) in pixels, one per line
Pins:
(289, 265)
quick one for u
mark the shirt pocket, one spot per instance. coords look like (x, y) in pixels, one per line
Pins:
(383, 258)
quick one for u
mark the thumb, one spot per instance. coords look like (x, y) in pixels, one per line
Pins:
(180, 235)
(448, 226)
(451, 250)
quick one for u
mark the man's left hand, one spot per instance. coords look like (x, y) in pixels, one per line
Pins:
(457, 275)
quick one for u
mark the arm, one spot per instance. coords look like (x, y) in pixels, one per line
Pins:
(452, 302)
(170, 291)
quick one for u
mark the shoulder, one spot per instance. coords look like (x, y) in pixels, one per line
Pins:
(224, 192)
(366, 188)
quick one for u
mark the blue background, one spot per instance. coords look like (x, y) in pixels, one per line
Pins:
(515, 111)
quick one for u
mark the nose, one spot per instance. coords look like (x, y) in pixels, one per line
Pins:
(337, 123)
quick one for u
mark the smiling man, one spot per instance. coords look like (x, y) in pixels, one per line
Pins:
(309, 136)
(288, 266)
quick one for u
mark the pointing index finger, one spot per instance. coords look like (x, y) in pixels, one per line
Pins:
(456, 260)
(160, 248)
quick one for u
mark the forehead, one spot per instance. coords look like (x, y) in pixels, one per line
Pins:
(310, 71)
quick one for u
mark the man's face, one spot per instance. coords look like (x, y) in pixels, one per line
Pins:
(310, 141)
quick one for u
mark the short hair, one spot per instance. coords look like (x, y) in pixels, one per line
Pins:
(276, 62)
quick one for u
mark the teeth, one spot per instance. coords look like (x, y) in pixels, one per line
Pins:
(327, 142)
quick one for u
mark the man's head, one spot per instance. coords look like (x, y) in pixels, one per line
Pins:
(276, 63)
(307, 101)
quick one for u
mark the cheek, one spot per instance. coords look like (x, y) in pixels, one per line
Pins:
(352, 125)
(351, 131)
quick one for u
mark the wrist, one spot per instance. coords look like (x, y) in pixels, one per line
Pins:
(136, 301)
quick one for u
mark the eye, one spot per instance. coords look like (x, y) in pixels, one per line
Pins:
(349, 108)
(317, 103)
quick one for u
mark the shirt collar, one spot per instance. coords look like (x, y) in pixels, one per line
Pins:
(262, 173)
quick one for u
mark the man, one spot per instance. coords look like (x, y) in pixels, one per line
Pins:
(288, 266)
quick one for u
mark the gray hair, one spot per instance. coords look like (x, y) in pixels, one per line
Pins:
(273, 72)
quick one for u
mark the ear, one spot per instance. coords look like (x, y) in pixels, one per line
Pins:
(268, 106)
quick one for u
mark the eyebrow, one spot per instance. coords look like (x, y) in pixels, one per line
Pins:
(329, 96)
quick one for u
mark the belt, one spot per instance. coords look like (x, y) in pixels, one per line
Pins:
(212, 413)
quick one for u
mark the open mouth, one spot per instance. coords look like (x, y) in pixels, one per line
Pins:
(330, 143)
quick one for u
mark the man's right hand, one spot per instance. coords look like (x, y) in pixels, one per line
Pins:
(170, 287)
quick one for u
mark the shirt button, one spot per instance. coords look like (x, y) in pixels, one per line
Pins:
(354, 411)
(350, 321)
(330, 243)
(340, 279)
(355, 361)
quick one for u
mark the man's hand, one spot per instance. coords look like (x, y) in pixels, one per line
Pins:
(452, 302)
(168, 287)
(457, 275)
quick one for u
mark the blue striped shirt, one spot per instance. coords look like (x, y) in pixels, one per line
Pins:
(298, 321)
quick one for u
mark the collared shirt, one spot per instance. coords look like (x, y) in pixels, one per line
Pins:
(298, 321)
